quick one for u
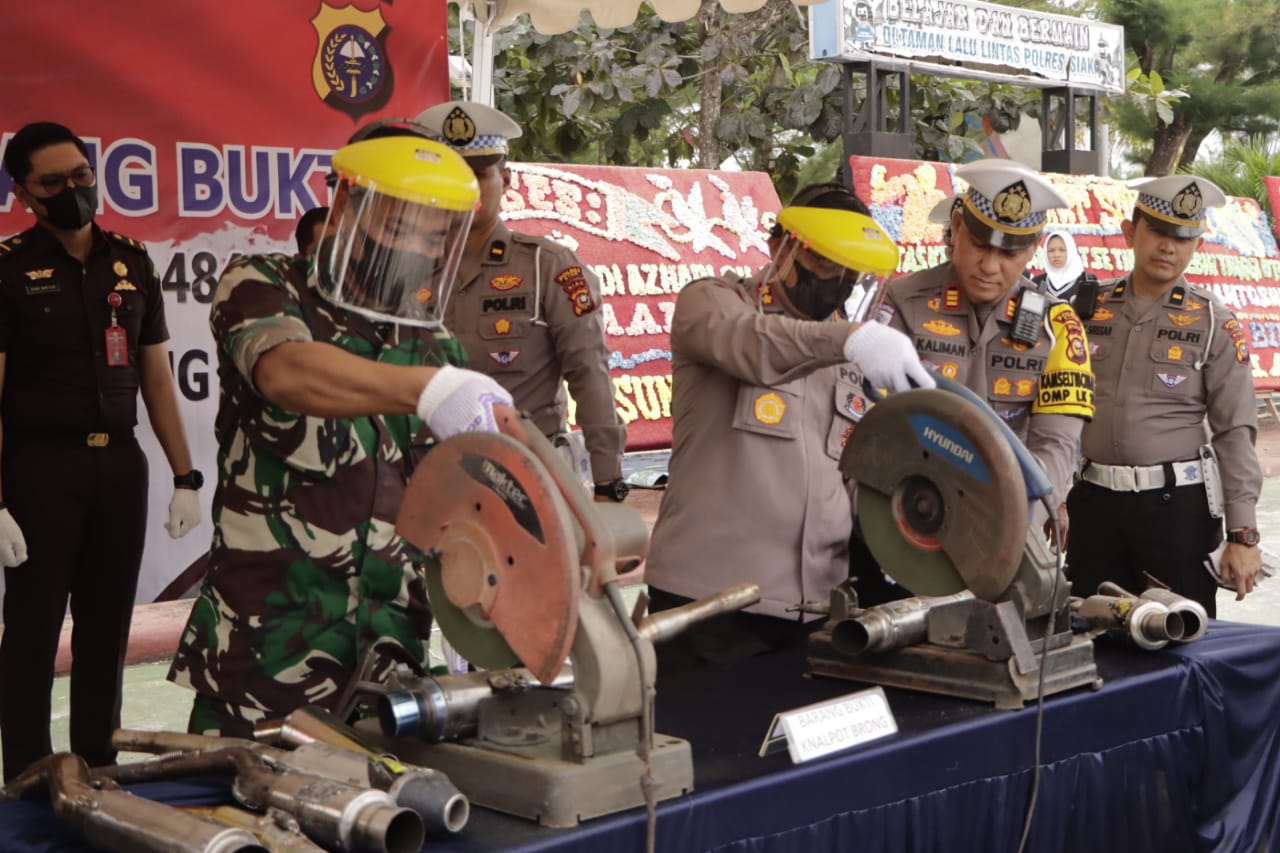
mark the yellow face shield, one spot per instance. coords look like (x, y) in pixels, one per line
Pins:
(399, 222)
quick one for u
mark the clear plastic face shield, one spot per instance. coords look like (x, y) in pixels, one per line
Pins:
(831, 260)
(397, 239)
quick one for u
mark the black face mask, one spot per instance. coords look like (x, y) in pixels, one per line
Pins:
(73, 208)
(816, 298)
(366, 284)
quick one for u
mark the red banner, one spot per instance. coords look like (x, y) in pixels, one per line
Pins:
(211, 126)
(646, 233)
(1239, 260)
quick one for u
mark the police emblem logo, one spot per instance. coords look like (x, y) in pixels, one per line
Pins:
(1012, 204)
(459, 129)
(1192, 305)
(1188, 203)
(502, 326)
(769, 408)
(1103, 314)
(1002, 387)
(37, 275)
(941, 327)
(505, 282)
(1024, 387)
(1171, 380)
(119, 268)
(949, 369)
(351, 71)
(1178, 319)
(423, 295)
(124, 284)
(1191, 473)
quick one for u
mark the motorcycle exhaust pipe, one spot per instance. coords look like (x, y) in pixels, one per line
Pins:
(1147, 624)
(332, 813)
(429, 793)
(889, 626)
(120, 821)
(1195, 619)
(447, 707)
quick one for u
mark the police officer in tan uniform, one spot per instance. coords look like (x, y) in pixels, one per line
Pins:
(526, 308)
(764, 397)
(1175, 391)
(979, 320)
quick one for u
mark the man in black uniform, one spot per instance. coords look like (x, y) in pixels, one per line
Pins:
(82, 331)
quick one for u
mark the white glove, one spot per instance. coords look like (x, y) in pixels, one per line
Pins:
(458, 400)
(13, 545)
(887, 358)
(184, 513)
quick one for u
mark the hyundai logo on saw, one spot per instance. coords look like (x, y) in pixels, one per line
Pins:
(942, 439)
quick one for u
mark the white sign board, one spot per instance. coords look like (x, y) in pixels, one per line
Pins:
(831, 726)
(999, 42)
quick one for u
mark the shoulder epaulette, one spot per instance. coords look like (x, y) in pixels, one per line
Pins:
(136, 245)
(14, 244)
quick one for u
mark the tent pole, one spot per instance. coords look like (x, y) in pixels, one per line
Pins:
(482, 50)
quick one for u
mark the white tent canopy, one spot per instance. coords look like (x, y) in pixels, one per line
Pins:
(560, 16)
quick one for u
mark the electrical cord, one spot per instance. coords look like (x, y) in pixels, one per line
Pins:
(1050, 629)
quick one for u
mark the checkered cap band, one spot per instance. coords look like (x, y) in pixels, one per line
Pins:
(1162, 209)
(484, 143)
(982, 207)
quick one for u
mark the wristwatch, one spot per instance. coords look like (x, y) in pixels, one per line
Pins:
(614, 490)
(193, 479)
(1244, 536)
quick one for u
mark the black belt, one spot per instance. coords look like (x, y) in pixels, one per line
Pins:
(71, 439)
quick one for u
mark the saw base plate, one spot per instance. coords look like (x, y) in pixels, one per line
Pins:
(956, 672)
(534, 782)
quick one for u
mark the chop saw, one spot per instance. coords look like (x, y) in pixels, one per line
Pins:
(945, 497)
(524, 576)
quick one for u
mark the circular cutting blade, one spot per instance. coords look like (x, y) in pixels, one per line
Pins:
(504, 574)
(481, 645)
(924, 572)
(948, 483)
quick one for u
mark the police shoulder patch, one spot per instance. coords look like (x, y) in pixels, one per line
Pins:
(12, 245)
(131, 243)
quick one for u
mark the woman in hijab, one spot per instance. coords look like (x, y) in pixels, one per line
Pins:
(1064, 275)
(1062, 265)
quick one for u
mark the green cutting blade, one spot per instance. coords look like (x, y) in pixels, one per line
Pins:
(482, 646)
(924, 572)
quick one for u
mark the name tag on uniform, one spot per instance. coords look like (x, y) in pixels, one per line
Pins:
(42, 288)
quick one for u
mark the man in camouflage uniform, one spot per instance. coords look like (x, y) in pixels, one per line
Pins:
(1172, 362)
(526, 308)
(328, 367)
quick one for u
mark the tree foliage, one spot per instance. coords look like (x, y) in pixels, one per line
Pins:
(1222, 55)
(717, 86)
(1241, 167)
